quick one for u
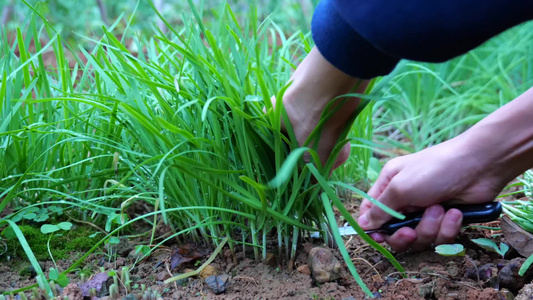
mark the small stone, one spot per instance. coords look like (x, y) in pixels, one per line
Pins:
(73, 292)
(508, 276)
(218, 283)
(162, 276)
(209, 270)
(100, 282)
(270, 260)
(130, 297)
(349, 298)
(389, 280)
(525, 293)
(304, 269)
(505, 294)
(28, 271)
(324, 266)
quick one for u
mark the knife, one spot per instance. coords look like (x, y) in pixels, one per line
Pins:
(472, 213)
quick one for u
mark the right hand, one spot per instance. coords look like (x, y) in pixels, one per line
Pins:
(426, 179)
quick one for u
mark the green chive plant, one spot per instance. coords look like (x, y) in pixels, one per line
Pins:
(521, 211)
(178, 125)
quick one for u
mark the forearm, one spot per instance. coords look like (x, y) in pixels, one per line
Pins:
(503, 141)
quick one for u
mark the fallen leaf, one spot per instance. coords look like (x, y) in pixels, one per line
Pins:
(186, 253)
(517, 237)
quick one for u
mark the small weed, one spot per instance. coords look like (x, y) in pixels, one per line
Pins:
(450, 250)
(491, 245)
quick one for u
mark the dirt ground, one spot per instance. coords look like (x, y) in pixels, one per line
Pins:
(429, 275)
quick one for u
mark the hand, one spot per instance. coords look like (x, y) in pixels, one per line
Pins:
(424, 180)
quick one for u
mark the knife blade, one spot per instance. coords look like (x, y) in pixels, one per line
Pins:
(472, 213)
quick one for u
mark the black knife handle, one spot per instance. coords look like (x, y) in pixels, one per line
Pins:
(472, 213)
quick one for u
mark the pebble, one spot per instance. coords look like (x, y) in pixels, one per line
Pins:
(218, 283)
(304, 269)
(349, 298)
(208, 271)
(505, 294)
(162, 276)
(324, 266)
(508, 276)
(525, 293)
(130, 297)
(101, 282)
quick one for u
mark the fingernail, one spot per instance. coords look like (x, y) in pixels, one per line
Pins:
(456, 217)
(434, 212)
(363, 221)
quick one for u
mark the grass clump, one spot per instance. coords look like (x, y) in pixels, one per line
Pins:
(178, 125)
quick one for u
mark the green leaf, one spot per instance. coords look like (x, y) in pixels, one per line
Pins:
(285, 172)
(8, 233)
(143, 249)
(109, 221)
(54, 274)
(17, 218)
(41, 218)
(503, 248)
(113, 240)
(49, 228)
(65, 225)
(30, 216)
(62, 280)
(489, 245)
(526, 265)
(94, 234)
(340, 243)
(450, 250)
(56, 209)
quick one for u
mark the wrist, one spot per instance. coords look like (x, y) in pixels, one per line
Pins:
(501, 145)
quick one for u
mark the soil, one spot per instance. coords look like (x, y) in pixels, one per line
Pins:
(429, 275)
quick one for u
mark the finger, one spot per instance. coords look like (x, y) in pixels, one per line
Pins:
(428, 228)
(381, 183)
(375, 216)
(402, 239)
(378, 237)
(450, 225)
(364, 207)
(342, 157)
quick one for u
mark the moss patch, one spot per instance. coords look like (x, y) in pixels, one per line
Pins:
(76, 240)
